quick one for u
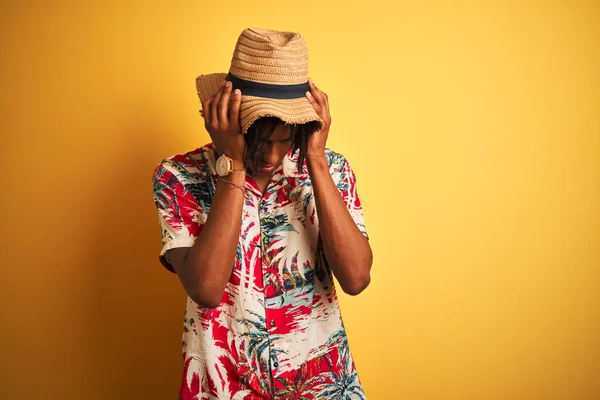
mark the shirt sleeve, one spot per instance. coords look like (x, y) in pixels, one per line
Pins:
(180, 217)
(347, 188)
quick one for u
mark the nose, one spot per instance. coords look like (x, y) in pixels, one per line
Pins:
(270, 156)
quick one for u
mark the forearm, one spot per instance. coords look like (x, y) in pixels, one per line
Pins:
(347, 250)
(209, 262)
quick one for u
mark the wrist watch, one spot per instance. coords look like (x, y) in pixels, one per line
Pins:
(226, 166)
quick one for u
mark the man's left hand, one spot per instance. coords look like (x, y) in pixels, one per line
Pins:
(320, 102)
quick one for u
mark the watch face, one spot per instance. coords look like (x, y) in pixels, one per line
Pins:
(222, 166)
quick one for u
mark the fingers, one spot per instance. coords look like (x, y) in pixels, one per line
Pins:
(221, 111)
(319, 100)
(318, 93)
(206, 111)
(234, 116)
(313, 102)
(224, 105)
(215, 105)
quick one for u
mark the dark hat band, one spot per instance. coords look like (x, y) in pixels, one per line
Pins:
(268, 90)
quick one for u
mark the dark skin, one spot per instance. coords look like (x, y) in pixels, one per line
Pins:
(205, 268)
(273, 154)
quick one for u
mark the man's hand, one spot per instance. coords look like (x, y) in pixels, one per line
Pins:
(221, 114)
(346, 249)
(320, 102)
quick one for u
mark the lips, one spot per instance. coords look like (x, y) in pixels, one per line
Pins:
(266, 168)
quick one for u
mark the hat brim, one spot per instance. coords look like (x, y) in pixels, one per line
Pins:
(291, 111)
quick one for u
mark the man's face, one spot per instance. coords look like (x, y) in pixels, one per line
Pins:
(275, 150)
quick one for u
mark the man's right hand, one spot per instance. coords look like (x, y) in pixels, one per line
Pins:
(221, 114)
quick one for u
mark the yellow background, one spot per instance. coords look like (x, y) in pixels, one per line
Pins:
(474, 131)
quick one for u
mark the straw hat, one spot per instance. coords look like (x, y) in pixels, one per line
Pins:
(271, 70)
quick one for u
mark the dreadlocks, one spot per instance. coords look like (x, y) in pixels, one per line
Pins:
(261, 131)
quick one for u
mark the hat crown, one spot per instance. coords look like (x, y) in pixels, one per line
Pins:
(269, 56)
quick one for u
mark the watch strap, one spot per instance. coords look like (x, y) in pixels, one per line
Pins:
(237, 165)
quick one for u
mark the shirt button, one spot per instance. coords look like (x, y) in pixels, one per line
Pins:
(272, 322)
(276, 364)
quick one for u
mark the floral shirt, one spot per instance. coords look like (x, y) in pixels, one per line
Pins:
(278, 332)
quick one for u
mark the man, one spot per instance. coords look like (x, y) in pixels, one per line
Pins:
(262, 318)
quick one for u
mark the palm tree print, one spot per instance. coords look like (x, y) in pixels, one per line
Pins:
(300, 386)
(272, 225)
(203, 190)
(336, 386)
(259, 342)
(164, 192)
(342, 381)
